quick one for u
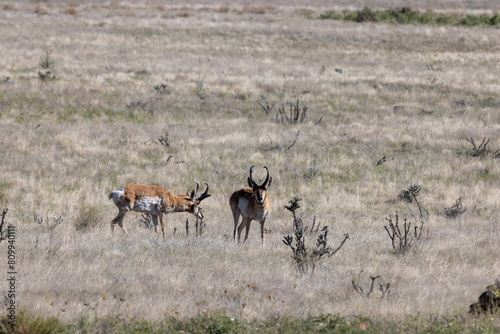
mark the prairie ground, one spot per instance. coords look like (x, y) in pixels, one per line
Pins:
(414, 94)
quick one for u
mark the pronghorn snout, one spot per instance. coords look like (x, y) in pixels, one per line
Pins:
(197, 212)
(260, 196)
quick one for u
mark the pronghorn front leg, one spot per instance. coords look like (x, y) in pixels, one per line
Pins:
(247, 229)
(262, 229)
(124, 211)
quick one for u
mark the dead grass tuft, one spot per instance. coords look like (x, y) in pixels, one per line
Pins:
(71, 10)
(40, 10)
(261, 10)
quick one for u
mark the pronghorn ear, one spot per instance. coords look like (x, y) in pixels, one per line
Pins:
(269, 183)
(192, 195)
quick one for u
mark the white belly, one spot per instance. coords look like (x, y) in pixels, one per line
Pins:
(150, 205)
(243, 206)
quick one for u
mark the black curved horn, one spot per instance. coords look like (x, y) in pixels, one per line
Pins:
(251, 182)
(267, 178)
(205, 194)
(194, 193)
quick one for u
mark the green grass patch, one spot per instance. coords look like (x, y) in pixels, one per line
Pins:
(219, 324)
(25, 323)
(407, 15)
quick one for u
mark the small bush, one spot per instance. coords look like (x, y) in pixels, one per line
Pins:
(48, 225)
(87, 216)
(470, 20)
(366, 15)
(443, 20)
(331, 14)
(383, 287)
(46, 61)
(455, 210)
(350, 16)
(480, 150)
(403, 239)
(297, 115)
(312, 168)
(307, 258)
(495, 19)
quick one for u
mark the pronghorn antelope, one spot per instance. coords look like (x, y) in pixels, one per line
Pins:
(252, 204)
(156, 201)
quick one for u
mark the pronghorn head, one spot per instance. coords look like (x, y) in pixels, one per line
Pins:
(194, 200)
(259, 191)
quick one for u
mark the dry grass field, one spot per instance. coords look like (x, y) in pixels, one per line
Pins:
(412, 93)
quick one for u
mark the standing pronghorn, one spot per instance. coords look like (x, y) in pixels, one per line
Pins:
(252, 204)
(156, 201)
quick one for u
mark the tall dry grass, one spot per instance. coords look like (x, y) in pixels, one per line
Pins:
(413, 94)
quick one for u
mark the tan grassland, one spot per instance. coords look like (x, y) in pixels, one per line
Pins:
(413, 94)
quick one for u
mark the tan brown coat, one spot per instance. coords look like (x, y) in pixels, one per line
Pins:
(156, 201)
(251, 204)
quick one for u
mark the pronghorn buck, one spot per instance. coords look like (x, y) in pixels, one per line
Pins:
(156, 201)
(252, 204)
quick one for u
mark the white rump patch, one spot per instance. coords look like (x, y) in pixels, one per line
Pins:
(116, 195)
(243, 206)
(150, 205)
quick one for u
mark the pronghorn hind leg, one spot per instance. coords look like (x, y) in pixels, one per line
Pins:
(155, 223)
(243, 224)
(236, 217)
(162, 221)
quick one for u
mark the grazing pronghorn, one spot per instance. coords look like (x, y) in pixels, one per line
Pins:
(252, 204)
(156, 201)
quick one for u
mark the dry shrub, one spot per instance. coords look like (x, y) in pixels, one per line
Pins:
(40, 10)
(223, 9)
(258, 9)
(70, 11)
(307, 258)
(268, 88)
(303, 11)
(87, 216)
(9, 6)
(160, 7)
(455, 210)
(183, 12)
